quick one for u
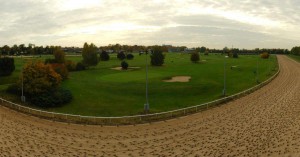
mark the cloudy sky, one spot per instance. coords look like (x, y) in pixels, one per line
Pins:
(210, 23)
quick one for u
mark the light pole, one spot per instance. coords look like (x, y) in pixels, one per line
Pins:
(23, 99)
(224, 89)
(146, 106)
(257, 67)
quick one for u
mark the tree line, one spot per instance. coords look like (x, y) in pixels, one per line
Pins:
(32, 49)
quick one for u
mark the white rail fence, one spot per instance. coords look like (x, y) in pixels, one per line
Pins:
(129, 120)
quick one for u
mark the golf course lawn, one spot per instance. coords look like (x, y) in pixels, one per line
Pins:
(102, 91)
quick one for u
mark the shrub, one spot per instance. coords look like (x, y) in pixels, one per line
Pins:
(157, 57)
(121, 55)
(195, 57)
(265, 55)
(59, 55)
(130, 56)
(61, 69)
(124, 65)
(7, 66)
(80, 66)
(235, 55)
(206, 53)
(39, 78)
(52, 98)
(49, 61)
(14, 89)
(104, 56)
(71, 66)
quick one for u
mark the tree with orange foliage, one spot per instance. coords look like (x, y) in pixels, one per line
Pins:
(39, 78)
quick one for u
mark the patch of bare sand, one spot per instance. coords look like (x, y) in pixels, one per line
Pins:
(179, 79)
(120, 68)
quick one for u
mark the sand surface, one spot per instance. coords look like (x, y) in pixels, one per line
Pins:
(179, 79)
(120, 68)
(264, 123)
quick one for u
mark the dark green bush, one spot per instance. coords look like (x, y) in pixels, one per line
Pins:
(50, 61)
(52, 98)
(124, 65)
(157, 57)
(195, 57)
(7, 66)
(235, 55)
(104, 56)
(130, 56)
(121, 55)
(14, 89)
(80, 66)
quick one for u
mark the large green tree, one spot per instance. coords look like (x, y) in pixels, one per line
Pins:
(89, 54)
(296, 50)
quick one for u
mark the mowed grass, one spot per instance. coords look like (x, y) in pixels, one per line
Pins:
(297, 58)
(101, 91)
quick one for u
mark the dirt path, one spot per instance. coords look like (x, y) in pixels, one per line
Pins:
(264, 123)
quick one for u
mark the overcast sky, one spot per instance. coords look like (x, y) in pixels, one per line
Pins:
(210, 23)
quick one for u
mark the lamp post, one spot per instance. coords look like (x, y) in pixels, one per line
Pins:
(23, 99)
(257, 67)
(224, 89)
(146, 106)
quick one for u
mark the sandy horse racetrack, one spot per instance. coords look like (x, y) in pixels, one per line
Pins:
(264, 123)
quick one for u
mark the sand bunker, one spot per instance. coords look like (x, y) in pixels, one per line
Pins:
(179, 79)
(120, 68)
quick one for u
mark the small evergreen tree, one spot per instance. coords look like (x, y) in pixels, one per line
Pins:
(195, 57)
(121, 55)
(7, 66)
(130, 56)
(157, 57)
(124, 65)
(104, 56)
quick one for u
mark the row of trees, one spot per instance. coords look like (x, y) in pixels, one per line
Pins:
(296, 50)
(32, 49)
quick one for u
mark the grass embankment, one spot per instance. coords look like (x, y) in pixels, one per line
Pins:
(297, 58)
(101, 91)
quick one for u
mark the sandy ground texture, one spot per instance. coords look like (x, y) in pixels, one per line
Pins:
(120, 68)
(264, 123)
(179, 79)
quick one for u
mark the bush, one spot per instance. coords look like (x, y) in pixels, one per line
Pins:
(121, 55)
(235, 55)
(104, 56)
(52, 98)
(61, 69)
(195, 57)
(59, 55)
(50, 61)
(7, 66)
(124, 65)
(39, 78)
(80, 66)
(157, 57)
(71, 66)
(265, 55)
(130, 56)
(14, 89)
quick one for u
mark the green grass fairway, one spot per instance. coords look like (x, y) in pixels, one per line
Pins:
(101, 91)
